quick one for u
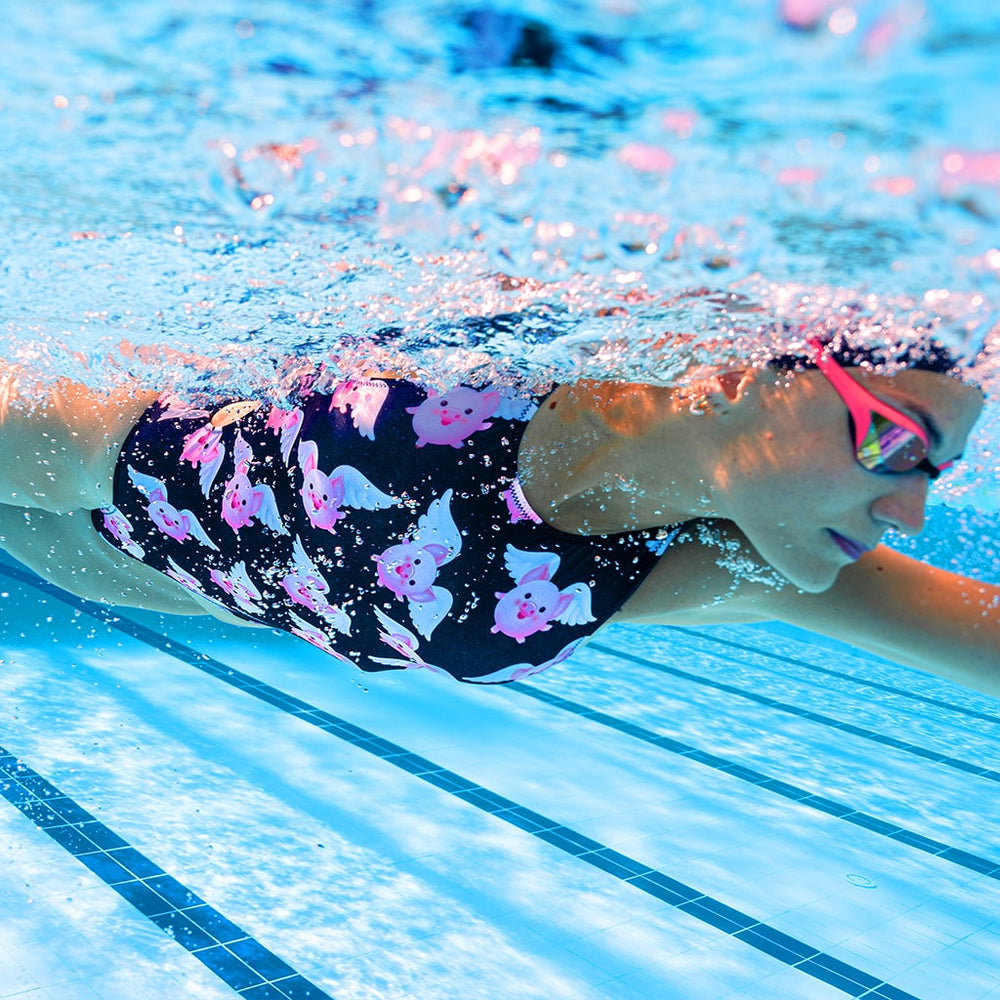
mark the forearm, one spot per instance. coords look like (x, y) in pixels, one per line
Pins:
(914, 614)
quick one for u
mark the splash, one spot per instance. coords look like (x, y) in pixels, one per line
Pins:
(465, 196)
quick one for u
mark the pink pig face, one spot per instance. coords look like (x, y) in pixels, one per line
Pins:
(202, 447)
(170, 520)
(528, 609)
(239, 503)
(453, 417)
(282, 420)
(306, 589)
(344, 395)
(322, 497)
(409, 570)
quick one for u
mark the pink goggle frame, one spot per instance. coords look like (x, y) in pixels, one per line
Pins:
(886, 440)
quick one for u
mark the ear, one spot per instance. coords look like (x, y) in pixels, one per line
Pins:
(723, 390)
(439, 552)
(308, 456)
(562, 604)
(538, 573)
(734, 383)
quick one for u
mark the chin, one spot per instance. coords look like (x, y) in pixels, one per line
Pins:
(814, 579)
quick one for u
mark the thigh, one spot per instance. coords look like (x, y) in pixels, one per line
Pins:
(66, 550)
(59, 445)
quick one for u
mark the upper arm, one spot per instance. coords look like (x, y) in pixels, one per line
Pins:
(710, 575)
(60, 445)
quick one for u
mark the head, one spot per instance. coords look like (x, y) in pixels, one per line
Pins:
(835, 447)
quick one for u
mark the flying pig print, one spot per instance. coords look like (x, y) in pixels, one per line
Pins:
(323, 495)
(318, 638)
(452, 418)
(365, 398)
(401, 640)
(173, 407)
(183, 577)
(536, 601)
(305, 585)
(243, 502)
(179, 525)
(206, 452)
(286, 424)
(410, 568)
(120, 528)
(238, 585)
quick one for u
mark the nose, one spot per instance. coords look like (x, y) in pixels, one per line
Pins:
(904, 507)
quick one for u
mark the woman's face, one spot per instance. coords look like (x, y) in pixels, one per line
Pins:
(792, 483)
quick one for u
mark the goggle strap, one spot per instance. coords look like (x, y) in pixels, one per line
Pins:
(859, 401)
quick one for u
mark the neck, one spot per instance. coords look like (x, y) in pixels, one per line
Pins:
(600, 458)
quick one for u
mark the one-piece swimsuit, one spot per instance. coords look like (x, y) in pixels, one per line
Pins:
(383, 523)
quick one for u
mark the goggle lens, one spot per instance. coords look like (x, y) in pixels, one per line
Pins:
(887, 447)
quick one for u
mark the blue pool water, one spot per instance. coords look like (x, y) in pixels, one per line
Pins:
(213, 195)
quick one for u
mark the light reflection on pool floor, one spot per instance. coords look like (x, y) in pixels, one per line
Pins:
(362, 875)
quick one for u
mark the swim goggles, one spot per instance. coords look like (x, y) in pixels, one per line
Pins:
(885, 440)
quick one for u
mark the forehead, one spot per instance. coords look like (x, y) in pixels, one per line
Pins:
(954, 405)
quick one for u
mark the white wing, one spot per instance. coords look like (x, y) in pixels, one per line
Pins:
(242, 452)
(316, 636)
(197, 530)
(183, 577)
(301, 559)
(438, 527)
(153, 488)
(519, 563)
(269, 514)
(242, 577)
(515, 408)
(361, 492)
(398, 636)
(364, 413)
(207, 471)
(426, 615)
(289, 433)
(577, 612)
(338, 618)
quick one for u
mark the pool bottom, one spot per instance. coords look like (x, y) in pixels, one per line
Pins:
(483, 842)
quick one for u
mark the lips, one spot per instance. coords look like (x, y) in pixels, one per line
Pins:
(854, 550)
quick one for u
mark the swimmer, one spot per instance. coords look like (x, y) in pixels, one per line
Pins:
(486, 536)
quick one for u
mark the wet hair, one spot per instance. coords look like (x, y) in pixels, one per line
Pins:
(925, 354)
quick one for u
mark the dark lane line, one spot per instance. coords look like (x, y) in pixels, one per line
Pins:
(239, 960)
(991, 774)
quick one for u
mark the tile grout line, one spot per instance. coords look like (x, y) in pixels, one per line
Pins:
(757, 934)
(936, 848)
(827, 671)
(239, 960)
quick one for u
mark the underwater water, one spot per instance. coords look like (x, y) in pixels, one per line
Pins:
(215, 197)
